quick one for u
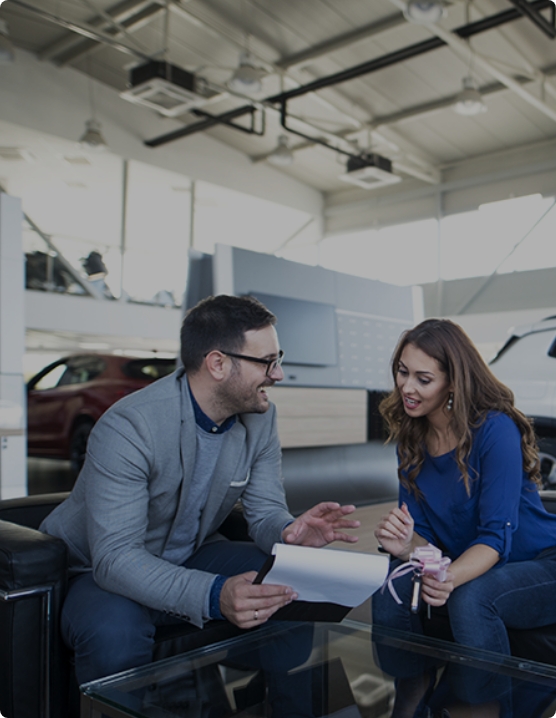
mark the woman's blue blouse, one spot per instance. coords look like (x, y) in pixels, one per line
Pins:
(504, 510)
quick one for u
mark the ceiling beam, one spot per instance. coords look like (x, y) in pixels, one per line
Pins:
(417, 112)
(333, 44)
(82, 29)
(121, 12)
(83, 46)
(365, 68)
(462, 49)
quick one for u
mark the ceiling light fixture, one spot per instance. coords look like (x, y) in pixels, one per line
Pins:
(7, 54)
(246, 79)
(424, 13)
(281, 156)
(469, 101)
(92, 138)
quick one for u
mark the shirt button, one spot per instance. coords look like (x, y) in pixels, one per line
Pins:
(214, 429)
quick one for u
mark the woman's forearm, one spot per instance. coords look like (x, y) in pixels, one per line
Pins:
(416, 540)
(478, 559)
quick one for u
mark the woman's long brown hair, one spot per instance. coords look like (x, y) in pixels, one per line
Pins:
(476, 391)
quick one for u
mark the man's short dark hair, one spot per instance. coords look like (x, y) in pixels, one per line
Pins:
(220, 323)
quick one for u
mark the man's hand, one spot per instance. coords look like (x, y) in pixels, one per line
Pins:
(320, 525)
(247, 604)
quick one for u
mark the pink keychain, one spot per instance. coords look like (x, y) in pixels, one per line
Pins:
(424, 559)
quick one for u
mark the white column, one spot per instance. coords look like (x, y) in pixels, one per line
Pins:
(13, 450)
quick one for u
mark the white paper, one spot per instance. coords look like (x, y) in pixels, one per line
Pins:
(327, 575)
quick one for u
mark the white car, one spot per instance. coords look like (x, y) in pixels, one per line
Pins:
(527, 364)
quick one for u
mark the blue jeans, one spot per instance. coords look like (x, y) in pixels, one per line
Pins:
(518, 595)
(109, 633)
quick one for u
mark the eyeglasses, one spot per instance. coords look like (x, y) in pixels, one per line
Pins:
(271, 364)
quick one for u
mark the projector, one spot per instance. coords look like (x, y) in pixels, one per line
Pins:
(369, 171)
(166, 88)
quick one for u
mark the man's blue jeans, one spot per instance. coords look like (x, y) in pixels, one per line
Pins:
(109, 633)
(518, 595)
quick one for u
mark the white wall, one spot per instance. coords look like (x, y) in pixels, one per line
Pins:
(155, 327)
(464, 187)
(13, 475)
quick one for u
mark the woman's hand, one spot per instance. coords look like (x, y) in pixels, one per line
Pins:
(434, 592)
(395, 532)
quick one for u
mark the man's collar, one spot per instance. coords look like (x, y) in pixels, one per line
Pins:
(205, 422)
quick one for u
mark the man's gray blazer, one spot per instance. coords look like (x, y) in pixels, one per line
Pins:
(140, 458)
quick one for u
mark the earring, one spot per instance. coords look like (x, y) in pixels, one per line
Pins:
(450, 404)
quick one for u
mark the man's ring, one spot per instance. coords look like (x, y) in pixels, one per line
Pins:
(256, 615)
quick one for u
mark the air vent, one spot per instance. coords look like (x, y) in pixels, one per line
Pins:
(76, 184)
(165, 88)
(370, 171)
(77, 160)
(16, 154)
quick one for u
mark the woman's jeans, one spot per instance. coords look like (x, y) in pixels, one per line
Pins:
(518, 595)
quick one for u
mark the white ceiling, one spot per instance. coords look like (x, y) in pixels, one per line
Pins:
(402, 111)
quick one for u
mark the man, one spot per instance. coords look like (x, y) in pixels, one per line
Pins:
(164, 468)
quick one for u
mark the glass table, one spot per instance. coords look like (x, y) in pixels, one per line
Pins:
(299, 670)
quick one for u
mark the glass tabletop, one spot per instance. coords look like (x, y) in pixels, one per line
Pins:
(298, 670)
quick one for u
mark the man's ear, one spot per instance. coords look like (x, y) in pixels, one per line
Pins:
(215, 363)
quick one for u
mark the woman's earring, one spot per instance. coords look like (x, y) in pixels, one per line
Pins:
(450, 404)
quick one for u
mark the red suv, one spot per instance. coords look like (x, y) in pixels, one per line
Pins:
(66, 398)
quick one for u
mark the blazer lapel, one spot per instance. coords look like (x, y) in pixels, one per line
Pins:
(224, 473)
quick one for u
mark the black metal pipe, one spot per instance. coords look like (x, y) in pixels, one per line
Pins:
(208, 122)
(315, 140)
(365, 68)
(534, 15)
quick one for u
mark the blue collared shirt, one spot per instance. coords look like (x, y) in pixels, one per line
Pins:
(205, 422)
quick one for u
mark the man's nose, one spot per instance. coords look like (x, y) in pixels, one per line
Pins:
(277, 374)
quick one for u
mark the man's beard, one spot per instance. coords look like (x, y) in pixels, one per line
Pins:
(234, 397)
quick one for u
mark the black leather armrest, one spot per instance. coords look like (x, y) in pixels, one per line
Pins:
(30, 510)
(30, 558)
(548, 497)
(33, 575)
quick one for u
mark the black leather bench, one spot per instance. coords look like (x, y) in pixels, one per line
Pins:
(36, 675)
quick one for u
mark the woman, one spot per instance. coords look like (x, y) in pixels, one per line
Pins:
(469, 474)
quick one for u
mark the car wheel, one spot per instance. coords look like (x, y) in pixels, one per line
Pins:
(547, 456)
(78, 445)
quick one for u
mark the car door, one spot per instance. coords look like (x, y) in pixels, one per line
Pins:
(528, 367)
(44, 409)
(54, 398)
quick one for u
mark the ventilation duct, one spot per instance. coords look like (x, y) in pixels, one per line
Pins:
(369, 171)
(165, 88)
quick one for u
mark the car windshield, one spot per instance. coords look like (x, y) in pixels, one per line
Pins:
(149, 368)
